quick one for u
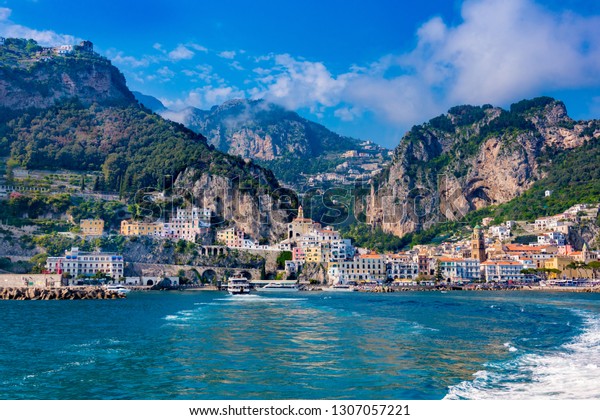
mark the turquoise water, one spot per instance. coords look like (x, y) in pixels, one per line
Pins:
(208, 345)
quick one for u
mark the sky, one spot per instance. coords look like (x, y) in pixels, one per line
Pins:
(370, 70)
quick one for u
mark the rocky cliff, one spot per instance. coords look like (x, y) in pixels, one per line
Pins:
(470, 158)
(247, 205)
(33, 77)
(261, 130)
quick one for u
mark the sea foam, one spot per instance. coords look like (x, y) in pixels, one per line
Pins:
(570, 372)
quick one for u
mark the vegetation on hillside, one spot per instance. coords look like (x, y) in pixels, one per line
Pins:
(133, 147)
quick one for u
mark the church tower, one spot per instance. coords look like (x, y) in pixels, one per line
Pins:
(478, 244)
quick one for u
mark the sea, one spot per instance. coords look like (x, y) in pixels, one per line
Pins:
(306, 345)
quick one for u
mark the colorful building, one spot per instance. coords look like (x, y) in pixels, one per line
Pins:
(135, 228)
(91, 227)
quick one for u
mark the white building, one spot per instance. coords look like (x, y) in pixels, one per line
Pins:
(368, 267)
(551, 238)
(460, 269)
(78, 263)
(399, 269)
(503, 271)
(501, 232)
(187, 224)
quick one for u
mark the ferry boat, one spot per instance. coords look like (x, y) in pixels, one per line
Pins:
(279, 287)
(117, 288)
(238, 286)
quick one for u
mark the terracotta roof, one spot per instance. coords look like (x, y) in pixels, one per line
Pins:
(370, 256)
(519, 248)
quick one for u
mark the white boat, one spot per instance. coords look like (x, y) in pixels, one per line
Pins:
(117, 288)
(279, 287)
(238, 286)
(340, 288)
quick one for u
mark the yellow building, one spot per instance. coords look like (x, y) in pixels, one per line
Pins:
(561, 263)
(231, 237)
(313, 254)
(91, 227)
(134, 228)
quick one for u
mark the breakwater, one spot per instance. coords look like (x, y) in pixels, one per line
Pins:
(58, 293)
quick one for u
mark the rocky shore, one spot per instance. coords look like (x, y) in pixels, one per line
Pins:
(58, 293)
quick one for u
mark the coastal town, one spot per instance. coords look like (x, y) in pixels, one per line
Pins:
(318, 257)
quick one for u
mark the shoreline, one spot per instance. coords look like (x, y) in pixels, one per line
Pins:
(58, 293)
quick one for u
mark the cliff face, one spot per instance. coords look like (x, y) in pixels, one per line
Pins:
(257, 213)
(261, 130)
(470, 158)
(33, 78)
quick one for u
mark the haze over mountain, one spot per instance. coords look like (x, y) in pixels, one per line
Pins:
(256, 129)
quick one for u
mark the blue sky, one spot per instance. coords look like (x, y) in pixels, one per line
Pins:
(366, 69)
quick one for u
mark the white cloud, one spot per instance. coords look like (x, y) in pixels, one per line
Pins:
(301, 84)
(181, 53)
(119, 58)
(227, 54)
(4, 13)
(197, 47)
(204, 98)
(181, 116)
(236, 65)
(501, 51)
(166, 73)
(157, 46)
(505, 50)
(10, 29)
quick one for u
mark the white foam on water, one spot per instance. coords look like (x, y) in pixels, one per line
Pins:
(257, 298)
(570, 372)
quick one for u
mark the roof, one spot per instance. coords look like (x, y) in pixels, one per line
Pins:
(501, 262)
(523, 248)
(370, 256)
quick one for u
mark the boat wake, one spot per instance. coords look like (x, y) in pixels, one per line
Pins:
(257, 298)
(570, 372)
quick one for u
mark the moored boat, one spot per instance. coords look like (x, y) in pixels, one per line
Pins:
(279, 287)
(117, 288)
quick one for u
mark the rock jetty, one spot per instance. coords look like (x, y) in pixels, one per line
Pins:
(58, 293)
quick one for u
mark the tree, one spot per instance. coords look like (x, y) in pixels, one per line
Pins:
(96, 183)
(595, 267)
(282, 258)
(82, 183)
(439, 277)
(577, 265)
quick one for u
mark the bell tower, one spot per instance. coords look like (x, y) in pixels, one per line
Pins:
(478, 244)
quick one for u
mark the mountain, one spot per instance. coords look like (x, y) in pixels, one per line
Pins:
(72, 110)
(36, 77)
(473, 157)
(263, 131)
(149, 102)
(301, 153)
